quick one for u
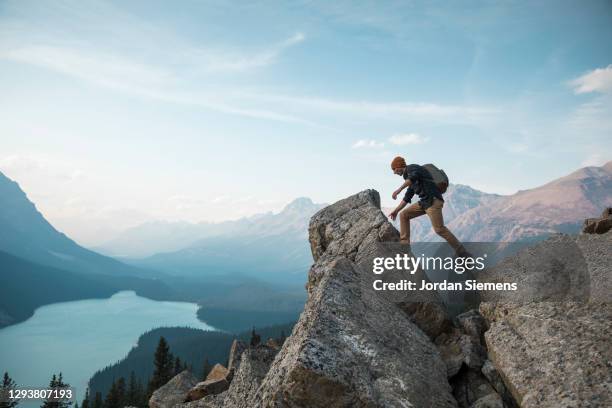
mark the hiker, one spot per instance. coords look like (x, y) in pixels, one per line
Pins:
(419, 181)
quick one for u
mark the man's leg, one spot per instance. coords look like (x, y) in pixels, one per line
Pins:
(437, 222)
(405, 216)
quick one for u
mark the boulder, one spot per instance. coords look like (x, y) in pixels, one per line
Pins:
(254, 366)
(472, 323)
(208, 387)
(236, 350)
(174, 391)
(491, 374)
(489, 401)
(218, 372)
(352, 347)
(599, 225)
(470, 386)
(555, 351)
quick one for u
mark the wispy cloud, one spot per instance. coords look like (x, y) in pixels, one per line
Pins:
(597, 80)
(215, 60)
(407, 139)
(367, 144)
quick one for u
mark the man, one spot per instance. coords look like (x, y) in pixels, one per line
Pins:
(418, 181)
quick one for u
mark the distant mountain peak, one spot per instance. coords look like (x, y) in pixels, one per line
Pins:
(299, 204)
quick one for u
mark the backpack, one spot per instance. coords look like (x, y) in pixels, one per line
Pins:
(438, 176)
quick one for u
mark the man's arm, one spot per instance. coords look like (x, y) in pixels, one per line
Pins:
(400, 207)
(407, 183)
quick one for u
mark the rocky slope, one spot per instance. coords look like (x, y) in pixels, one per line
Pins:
(354, 348)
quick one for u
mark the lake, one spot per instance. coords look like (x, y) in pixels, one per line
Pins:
(80, 337)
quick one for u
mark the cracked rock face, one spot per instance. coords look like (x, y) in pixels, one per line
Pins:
(557, 353)
(349, 347)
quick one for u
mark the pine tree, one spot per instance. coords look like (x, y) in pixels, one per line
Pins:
(57, 382)
(255, 338)
(178, 367)
(85, 402)
(143, 400)
(121, 392)
(164, 366)
(115, 395)
(7, 385)
(132, 397)
(98, 400)
(206, 369)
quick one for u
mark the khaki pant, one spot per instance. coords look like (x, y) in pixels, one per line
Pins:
(437, 222)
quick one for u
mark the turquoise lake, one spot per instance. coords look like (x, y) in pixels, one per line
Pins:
(80, 337)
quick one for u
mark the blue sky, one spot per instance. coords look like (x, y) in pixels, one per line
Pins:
(114, 113)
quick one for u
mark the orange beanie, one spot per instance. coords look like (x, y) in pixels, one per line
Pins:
(398, 162)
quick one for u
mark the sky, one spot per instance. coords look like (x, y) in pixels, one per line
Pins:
(121, 112)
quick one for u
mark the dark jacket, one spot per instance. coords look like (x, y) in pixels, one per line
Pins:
(422, 185)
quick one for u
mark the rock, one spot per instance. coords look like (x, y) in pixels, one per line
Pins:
(236, 350)
(474, 355)
(174, 391)
(489, 401)
(254, 365)
(473, 324)
(342, 228)
(431, 317)
(469, 386)
(491, 374)
(218, 372)
(253, 368)
(272, 343)
(450, 352)
(208, 387)
(457, 349)
(352, 347)
(556, 352)
(599, 225)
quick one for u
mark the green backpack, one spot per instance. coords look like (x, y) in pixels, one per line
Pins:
(438, 176)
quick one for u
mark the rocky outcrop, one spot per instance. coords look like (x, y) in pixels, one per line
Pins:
(555, 351)
(545, 344)
(599, 225)
(349, 347)
(174, 391)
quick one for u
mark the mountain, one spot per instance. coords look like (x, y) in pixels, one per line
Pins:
(557, 206)
(534, 214)
(270, 247)
(161, 236)
(25, 233)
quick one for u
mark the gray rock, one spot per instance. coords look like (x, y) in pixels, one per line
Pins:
(450, 352)
(253, 368)
(254, 365)
(351, 347)
(174, 391)
(556, 353)
(431, 317)
(469, 386)
(491, 374)
(457, 349)
(489, 401)
(236, 350)
(472, 323)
